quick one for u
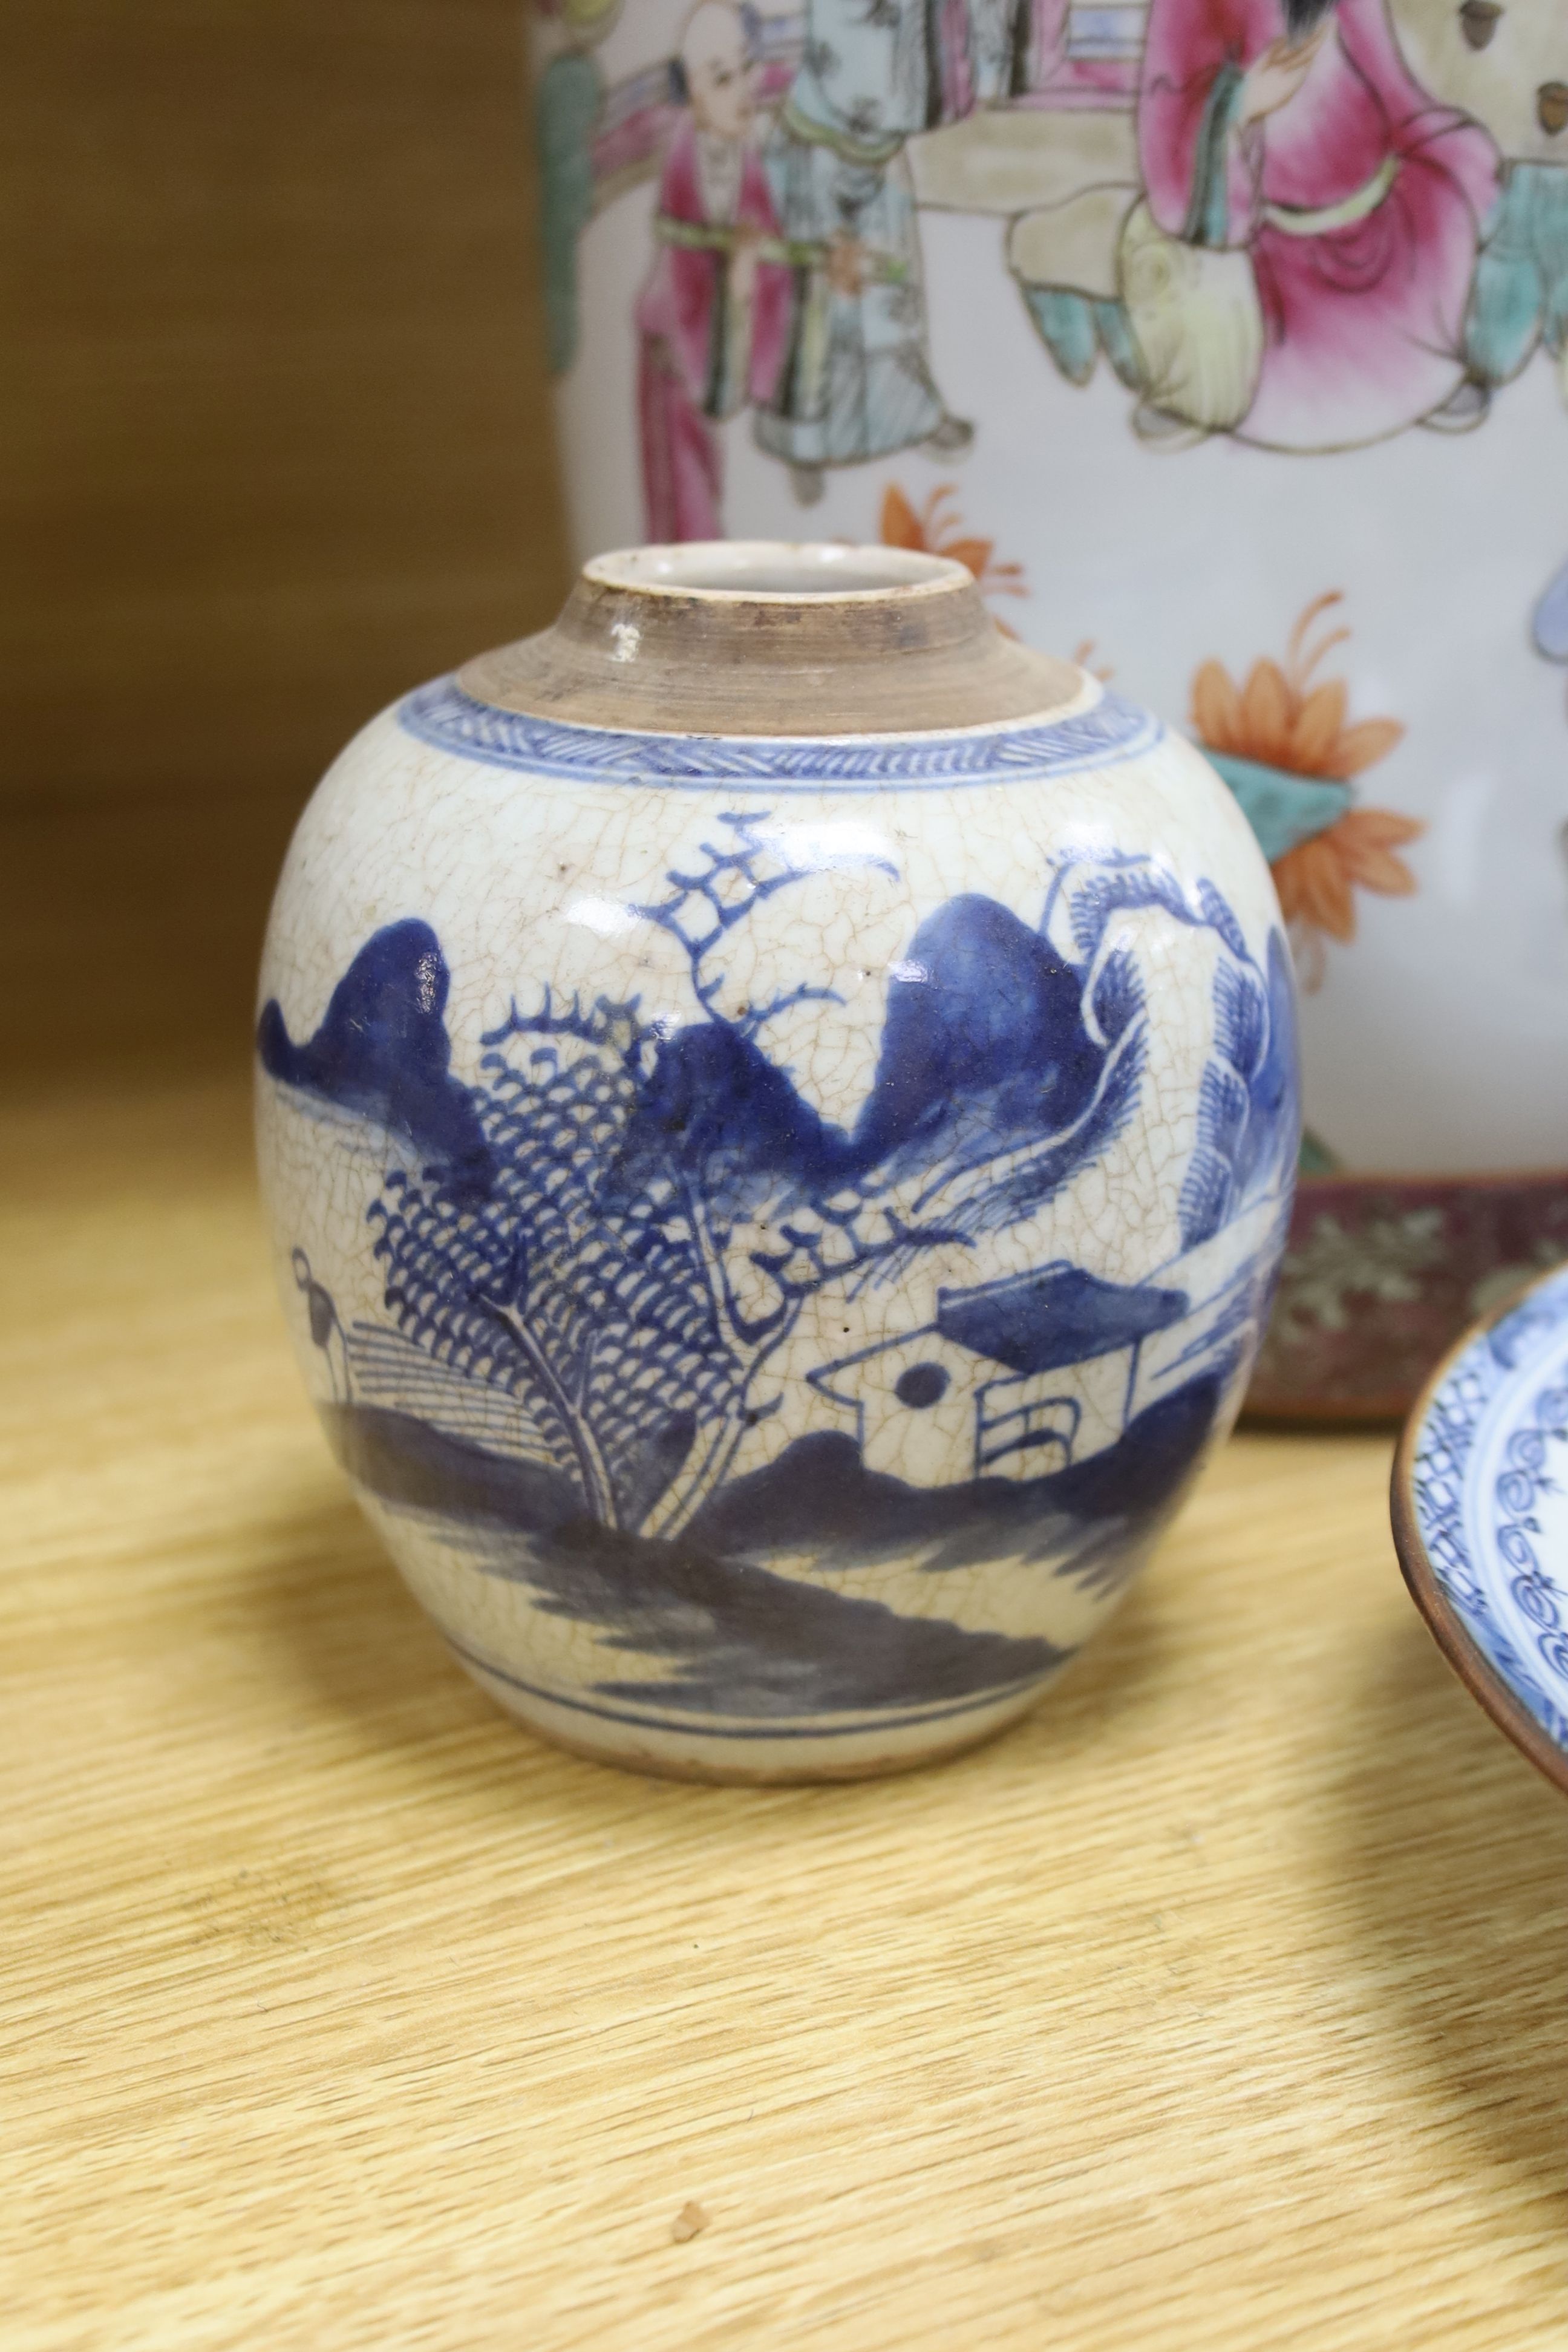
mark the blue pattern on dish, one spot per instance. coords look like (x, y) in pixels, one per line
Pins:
(1490, 1477)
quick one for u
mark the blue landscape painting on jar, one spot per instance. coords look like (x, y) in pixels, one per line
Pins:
(698, 1367)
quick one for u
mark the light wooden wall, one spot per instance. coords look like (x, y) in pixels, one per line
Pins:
(276, 446)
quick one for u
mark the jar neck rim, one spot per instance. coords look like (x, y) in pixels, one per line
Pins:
(721, 573)
(774, 637)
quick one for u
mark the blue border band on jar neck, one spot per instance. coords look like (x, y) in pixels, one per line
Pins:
(448, 719)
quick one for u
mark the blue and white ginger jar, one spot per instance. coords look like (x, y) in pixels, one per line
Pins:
(777, 1109)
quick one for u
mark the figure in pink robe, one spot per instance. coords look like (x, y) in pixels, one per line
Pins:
(1294, 128)
(712, 316)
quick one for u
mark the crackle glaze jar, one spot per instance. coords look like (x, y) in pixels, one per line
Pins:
(1230, 336)
(777, 1111)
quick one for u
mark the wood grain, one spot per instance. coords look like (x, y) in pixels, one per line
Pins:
(1222, 2005)
(275, 411)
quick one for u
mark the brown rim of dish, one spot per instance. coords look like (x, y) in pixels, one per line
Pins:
(1470, 1662)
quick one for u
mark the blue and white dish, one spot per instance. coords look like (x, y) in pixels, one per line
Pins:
(1480, 1516)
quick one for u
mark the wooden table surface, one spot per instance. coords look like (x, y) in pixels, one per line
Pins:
(1221, 2006)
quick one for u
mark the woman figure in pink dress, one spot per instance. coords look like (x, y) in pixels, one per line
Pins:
(712, 316)
(1294, 128)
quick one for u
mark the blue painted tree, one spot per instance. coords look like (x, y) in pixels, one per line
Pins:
(663, 1198)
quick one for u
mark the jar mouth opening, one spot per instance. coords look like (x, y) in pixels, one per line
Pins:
(776, 571)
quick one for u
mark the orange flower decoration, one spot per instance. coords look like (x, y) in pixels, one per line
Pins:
(938, 530)
(1282, 720)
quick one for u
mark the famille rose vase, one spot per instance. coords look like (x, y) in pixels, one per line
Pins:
(778, 1115)
(1226, 341)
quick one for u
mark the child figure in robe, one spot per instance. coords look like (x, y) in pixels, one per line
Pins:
(711, 317)
(856, 382)
(1296, 129)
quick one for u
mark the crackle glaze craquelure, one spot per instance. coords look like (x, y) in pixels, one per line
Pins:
(777, 1109)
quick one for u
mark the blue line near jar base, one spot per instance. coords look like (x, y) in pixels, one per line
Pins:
(449, 720)
(686, 1727)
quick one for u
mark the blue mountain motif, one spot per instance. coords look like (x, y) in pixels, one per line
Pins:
(987, 1047)
(597, 1254)
(383, 1050)
(990, 1037)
